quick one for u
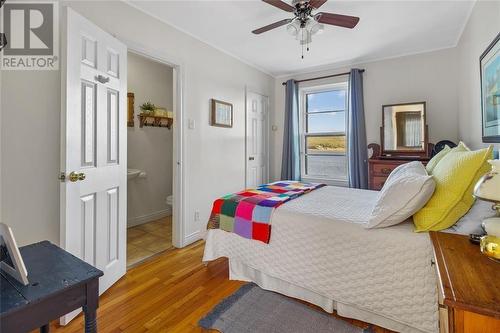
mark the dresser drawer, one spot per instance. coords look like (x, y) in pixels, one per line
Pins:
(377, 182)
(383, 169)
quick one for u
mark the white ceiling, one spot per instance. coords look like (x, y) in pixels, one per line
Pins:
(386, 29)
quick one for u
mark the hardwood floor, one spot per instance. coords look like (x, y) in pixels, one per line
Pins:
(168, 293)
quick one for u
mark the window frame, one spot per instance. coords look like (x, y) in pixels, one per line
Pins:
(303, 92)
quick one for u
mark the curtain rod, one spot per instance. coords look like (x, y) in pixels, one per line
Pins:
(323, 77)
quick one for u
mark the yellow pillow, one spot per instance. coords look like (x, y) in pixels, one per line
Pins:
(455, 176)
(435, 160)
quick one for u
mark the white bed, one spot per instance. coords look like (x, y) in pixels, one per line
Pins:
(320, 252)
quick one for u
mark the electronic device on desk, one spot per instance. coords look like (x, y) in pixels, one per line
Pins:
(475, 238)
(11, 261)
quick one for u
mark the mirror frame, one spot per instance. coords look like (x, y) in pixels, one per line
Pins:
(424, 152)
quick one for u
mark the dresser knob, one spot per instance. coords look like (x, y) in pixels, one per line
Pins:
(386, 170)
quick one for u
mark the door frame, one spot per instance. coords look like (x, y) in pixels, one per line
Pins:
(179, 148)
(266, 131)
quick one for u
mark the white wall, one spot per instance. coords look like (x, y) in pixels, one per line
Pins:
(30, 154)
(429, 77)
(215, 157)
(481, 29)
(150, 149)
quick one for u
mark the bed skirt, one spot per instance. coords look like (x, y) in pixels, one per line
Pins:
(241, 272)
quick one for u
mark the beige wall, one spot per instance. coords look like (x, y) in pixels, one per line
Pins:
(150, 149)
(481, 29)
(214, 157)
(429, 77)
(30, 112)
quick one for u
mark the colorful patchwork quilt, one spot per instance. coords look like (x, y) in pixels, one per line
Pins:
(248, 213)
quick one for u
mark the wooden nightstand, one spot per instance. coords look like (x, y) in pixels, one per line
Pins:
(468, 286)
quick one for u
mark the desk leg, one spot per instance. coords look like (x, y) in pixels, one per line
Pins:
(45, 328)
(90, 309)
(90, 321)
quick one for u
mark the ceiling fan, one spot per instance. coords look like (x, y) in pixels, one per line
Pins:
(305, 24)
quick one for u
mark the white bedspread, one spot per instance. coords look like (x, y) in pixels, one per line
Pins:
(320, 252)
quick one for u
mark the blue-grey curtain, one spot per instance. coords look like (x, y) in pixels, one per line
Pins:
(357, 151)
(290, 164)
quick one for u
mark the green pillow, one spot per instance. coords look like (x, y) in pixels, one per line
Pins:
(435, 160)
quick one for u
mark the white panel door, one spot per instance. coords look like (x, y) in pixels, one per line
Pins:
(93, 206)
(256, 140)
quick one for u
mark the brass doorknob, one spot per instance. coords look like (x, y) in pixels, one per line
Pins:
(75, 176)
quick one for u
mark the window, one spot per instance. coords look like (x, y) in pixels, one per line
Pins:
(323, 129)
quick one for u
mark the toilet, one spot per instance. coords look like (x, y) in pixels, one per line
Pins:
(170, 200)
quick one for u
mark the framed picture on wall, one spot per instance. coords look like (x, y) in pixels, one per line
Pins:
(490, 91)
(221, 114)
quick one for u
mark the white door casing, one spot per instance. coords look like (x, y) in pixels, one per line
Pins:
(94, 143)
(256, 139)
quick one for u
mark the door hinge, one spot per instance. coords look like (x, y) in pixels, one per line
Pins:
(62, 177)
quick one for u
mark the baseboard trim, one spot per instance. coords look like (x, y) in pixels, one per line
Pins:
(195, 236)
(149, 217)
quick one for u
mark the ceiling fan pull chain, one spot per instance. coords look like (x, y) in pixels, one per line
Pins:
(302, 44)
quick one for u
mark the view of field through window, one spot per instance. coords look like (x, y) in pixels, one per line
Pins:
(326, 144)
(325, 139)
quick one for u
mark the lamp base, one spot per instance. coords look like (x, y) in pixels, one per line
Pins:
(490, 246)
(492, 226)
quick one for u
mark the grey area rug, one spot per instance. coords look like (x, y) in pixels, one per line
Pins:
(254, 310)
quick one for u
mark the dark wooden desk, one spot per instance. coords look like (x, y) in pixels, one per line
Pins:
(468, 286)
(59, 284)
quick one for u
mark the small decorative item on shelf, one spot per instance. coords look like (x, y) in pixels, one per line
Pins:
(147, 107)
(154, 116)
(160, 112)
(488, 188)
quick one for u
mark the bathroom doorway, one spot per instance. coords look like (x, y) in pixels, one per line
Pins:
(150, 156)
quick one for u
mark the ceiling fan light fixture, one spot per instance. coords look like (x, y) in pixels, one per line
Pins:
(306, 21)
(293, 28)
(316, 28)
(304, 37)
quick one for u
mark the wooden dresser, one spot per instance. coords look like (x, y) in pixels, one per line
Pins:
(468, 286)
(379, 167)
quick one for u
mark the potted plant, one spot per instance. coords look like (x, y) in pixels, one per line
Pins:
(147, 107)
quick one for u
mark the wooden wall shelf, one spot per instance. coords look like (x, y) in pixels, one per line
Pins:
(155, 121)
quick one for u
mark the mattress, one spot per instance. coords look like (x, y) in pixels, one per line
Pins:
(320, 252)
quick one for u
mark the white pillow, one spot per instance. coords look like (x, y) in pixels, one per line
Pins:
(414, 166)
(406, 191)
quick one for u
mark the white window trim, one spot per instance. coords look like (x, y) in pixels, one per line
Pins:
(303, 91)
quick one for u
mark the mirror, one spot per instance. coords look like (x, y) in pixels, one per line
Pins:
(404, 129)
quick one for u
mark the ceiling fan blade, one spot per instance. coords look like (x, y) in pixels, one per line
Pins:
(316, 3)
(281, 5)
(272, 26)
(336, 19)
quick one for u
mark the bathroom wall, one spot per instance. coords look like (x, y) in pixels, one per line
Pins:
(149, 148)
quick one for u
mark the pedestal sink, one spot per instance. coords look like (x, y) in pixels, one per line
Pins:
(132, 173)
